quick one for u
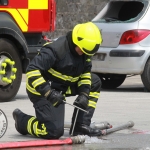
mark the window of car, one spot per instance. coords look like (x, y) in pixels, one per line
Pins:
(3, 2)
(119, 11)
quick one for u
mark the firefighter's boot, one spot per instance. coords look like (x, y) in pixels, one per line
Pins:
(17, 115)
(82, 129)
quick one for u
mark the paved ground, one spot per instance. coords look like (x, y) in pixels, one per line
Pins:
(128, 102)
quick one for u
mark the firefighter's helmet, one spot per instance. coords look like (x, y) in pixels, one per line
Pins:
(87, 37)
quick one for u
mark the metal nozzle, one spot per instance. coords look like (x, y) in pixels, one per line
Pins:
(118, 128)
(102, 125)
(79, 139)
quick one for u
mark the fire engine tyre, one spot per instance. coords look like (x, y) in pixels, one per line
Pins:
(10, 87)
(111, 81)
(145, 76)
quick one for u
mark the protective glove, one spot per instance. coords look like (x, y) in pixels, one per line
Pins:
(55, 97)
(82, 101)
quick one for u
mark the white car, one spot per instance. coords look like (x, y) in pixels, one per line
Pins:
(125, 50)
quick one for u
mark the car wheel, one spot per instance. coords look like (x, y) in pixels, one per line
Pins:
(10, 70)
(111, 81)
(145, 76)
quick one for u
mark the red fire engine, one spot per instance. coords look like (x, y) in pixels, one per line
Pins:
(22, 23)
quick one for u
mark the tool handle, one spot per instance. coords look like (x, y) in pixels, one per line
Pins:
(76, 106)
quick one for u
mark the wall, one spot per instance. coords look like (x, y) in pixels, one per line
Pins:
(72, 12)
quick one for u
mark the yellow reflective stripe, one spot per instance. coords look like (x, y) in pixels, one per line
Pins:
(94, 94)
(63, 77)
(18, 18)
(32, 90)
(35, 128)
(38, 82)
(86, 75)
(55, 104)
(33, 73)
(92, 104)
(47, 43)
(29, 125)
(88, 60)
(68, 90)
(39, 131)
(42, 132)
(84, 82)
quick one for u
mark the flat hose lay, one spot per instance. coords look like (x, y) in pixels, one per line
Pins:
(22, 144)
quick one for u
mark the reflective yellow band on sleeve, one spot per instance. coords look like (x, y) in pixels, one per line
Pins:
(33, 73)
(92, 104)
(84, 82)
(86, 75)
(32, 90)
(38, 82)
(94, 94)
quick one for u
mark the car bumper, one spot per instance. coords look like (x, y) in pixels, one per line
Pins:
(120, 60)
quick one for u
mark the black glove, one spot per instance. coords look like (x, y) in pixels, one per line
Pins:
(55, 97)
(82, 101)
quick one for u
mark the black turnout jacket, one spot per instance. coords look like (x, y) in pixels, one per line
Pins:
(58, 66)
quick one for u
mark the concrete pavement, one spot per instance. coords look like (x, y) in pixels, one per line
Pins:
(128, 102)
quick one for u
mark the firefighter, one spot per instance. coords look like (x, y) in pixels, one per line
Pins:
(61, 69)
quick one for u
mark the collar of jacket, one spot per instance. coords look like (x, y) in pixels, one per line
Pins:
(71, 44)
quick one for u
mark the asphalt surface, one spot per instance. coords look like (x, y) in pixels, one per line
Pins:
(129, 102)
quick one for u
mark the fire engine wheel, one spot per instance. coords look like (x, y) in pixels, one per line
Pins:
(111, 81)
(10, 70)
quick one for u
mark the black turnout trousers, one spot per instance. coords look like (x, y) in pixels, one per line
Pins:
(49, 121)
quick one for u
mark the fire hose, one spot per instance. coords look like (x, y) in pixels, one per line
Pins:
(72, 140)
(105, 127)
(127, 125)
